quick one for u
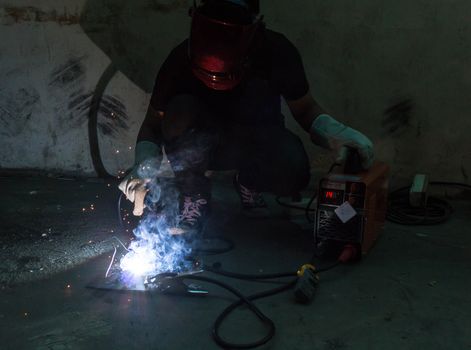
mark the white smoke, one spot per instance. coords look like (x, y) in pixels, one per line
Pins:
(155, 250)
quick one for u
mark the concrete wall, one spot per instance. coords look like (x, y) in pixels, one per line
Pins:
(399, 71)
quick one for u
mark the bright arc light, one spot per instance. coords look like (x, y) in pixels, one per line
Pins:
(139, 262)
(155, 250)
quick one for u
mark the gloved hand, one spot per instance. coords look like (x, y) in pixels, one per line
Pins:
(134, 184)
(328, 133)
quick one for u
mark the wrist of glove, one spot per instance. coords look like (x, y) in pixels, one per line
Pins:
(330, 134)
(147, 162)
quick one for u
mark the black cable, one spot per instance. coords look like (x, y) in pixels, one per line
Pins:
(308, 208)
(242, 300)
(332, 167)
(248, 276)
(262, 276)
(286, 205)
(248, 301)
(435, 211)
(447, 183)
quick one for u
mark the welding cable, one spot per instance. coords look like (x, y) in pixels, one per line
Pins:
(247, 300)
(262, 276)
(249, 277)
(451, 184)
(307, 209)
(291, 206)
(333, 166)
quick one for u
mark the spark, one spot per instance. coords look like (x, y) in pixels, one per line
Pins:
(111, 263)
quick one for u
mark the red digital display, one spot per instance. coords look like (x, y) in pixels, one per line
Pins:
(332, 196)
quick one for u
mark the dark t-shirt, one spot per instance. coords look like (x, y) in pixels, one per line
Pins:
(276, 70)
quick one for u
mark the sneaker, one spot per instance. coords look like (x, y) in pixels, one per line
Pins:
(193, 213)
(252, 202)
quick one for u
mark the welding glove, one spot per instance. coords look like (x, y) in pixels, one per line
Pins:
(134, 184)
(330, 134)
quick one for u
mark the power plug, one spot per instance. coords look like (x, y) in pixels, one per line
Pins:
(418, 191)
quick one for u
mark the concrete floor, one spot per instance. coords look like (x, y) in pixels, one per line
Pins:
(411, 292)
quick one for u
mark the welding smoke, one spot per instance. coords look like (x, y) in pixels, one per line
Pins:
(155, 250)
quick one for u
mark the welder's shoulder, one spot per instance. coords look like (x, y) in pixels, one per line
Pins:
(280, 45)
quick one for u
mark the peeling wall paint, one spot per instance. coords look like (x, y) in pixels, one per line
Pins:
(14, 15)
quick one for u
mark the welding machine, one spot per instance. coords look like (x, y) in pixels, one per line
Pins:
(351, 207)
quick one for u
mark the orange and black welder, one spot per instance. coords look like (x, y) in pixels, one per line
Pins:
(351, 207)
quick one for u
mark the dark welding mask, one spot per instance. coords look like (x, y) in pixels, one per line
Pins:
(222, 32)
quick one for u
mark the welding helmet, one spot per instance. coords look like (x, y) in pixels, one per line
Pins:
(222, 32)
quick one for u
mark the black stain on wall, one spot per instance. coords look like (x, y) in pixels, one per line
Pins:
(397, 117)
(113, 116)
(80, 103)
(16, 109)
(68, 81)
(68, 73)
